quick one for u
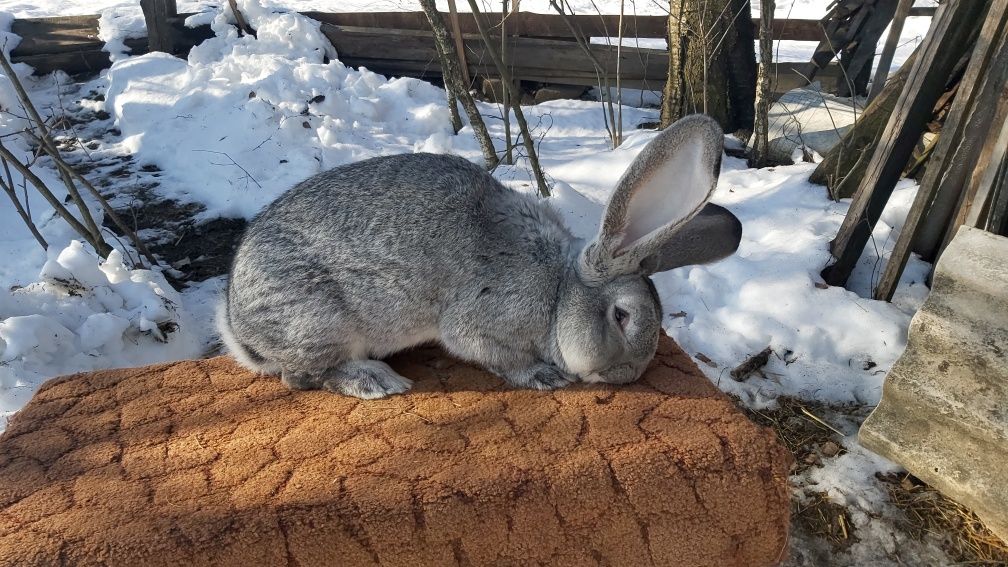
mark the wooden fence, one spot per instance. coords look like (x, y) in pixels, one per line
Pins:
(399, 43)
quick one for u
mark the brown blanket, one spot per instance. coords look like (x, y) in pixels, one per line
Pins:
(202, 462)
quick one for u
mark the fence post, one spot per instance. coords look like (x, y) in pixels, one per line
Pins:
(160, 36)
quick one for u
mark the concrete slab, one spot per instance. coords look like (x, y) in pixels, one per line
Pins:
(944, 408)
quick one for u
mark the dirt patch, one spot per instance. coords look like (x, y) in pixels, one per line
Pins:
(89, 140)
(798, 425)
(925, 516)
(810, 438)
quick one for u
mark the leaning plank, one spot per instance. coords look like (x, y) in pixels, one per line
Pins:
(988, 181)
(939, 52)
(957, 150)
(974, 202)
(857, 61)
(892, 41)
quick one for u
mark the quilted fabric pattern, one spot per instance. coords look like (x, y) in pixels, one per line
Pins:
(201, 462)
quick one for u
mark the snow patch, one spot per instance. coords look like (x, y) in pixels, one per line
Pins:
(85, 313)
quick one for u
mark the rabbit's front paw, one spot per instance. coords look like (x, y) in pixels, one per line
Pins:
(365, 379)
(540, 377)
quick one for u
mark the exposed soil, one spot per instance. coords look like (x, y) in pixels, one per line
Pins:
(90, 142)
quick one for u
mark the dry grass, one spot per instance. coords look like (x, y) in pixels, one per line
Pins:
(809, 438)
(800, 429)
(824, 519)
(930, 515)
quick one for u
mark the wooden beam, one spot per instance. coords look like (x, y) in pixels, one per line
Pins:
(958, 148)
(989, 178)
(71, 43)
(923, 11)
(55, 35)
(70, 33)
(939, 53)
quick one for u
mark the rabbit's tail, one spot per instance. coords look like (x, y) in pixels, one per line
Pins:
(243, 354)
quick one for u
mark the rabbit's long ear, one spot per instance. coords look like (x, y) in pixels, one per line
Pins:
(669, 182)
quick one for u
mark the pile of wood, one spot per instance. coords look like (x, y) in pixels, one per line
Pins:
(966, 179)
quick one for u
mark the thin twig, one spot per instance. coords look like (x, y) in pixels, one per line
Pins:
(50, 147)
(234, 163)
(9, 189)
(99, 245)
(515, 102)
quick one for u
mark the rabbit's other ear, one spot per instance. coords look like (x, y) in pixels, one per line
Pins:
(667, 185)
(714, 233)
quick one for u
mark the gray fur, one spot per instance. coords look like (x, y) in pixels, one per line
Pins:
(374, 257)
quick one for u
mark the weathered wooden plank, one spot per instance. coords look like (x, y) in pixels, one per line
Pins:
(56, 35)
(973, 202)
(923, 11)
(889, 50)
(558, 55)
(74, 33)
(857, 62)
(988, 181)
(403, 35)
(940, 51)
(957, 150)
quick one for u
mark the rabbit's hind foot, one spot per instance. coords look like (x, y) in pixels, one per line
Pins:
(365, 379)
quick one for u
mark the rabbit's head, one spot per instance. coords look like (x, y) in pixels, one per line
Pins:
(609, 314)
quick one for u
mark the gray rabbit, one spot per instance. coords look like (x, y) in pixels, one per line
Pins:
(374, 257)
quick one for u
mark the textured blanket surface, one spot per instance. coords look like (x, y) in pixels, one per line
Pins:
(202, 462)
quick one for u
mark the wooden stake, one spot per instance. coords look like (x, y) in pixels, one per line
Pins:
(243, 26)
(507, 81)
(453, 81)
(459, 42)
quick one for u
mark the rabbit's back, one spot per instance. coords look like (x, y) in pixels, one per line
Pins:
(384, 246)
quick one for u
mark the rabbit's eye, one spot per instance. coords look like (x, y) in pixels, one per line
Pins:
(622, 317)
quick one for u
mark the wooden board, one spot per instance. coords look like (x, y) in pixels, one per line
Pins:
(399, 43)
(56, 35)
(77, 33)
(552, 25)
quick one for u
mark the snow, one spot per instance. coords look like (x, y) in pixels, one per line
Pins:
(243, 119)
(85, 313)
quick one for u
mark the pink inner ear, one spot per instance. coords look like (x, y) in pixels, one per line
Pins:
(669, 193)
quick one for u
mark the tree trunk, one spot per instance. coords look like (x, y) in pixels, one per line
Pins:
(455, 85)
(761, 140)
(712, 66)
